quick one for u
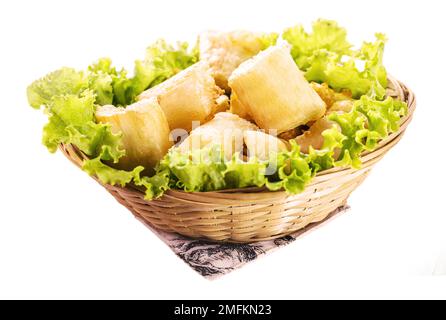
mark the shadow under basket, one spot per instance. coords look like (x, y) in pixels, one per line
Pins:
(254, 214)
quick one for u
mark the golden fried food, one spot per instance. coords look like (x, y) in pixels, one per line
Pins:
(272, 90)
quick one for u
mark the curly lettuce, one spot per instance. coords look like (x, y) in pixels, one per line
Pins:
(366, 125)
(325, 55)
(327, 35)
(64, 81)
(69, 103)
(207, 169)
(154, 186)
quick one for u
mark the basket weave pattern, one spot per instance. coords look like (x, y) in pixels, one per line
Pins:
(254, 214)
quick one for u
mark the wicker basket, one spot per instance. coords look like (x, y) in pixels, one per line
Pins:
(254, 214)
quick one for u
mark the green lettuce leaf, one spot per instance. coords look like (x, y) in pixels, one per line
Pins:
(293, 171)
(71, 120)
(241, 174)
(154, 186)
(101, 80)
(324, 158)
(102, 85)
(111, 86)
(207, 170)
(369, 122)
(327, 67)
(326, 34)
(326, 56)
(64, 81)
(199, 170)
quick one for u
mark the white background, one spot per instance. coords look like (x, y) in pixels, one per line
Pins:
(63, 236)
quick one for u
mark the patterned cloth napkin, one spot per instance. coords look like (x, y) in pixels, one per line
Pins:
(212, 260)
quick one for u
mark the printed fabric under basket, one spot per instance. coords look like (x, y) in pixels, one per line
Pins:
(254, 214)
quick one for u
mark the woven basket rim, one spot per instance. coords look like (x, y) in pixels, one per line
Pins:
(401, 91)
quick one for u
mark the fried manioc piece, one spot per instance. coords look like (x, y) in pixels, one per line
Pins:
(145, 132)
(224, 51)
(238, 108)
(226, 130)
(326, 94)
(274, 92)
(189, 96)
